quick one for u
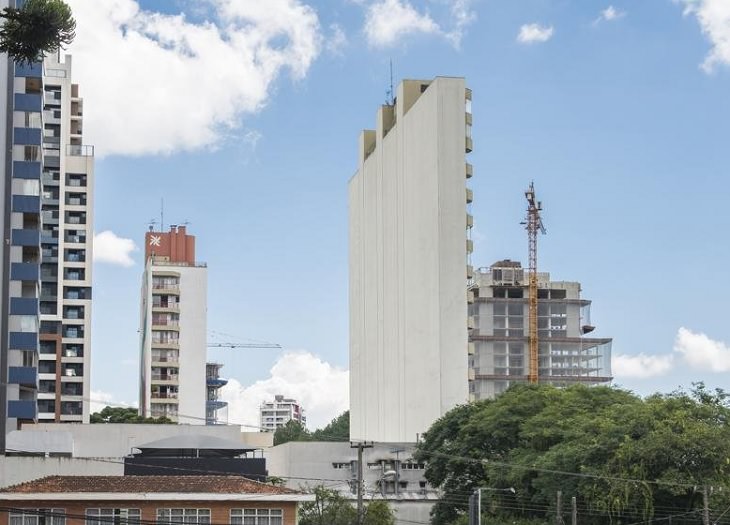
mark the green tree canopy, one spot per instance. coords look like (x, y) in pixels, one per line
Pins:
(624, 458)
(125, 415)
(332, 508)
(36, 29)
(336, 430)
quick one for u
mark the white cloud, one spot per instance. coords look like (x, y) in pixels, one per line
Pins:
(387, 21)
(641, 365)
(109, 248)
(609, 15)
(100, 400)
(701, 352)
(156, 83)
(714, 19)
(321, 389)
(337, 41)
(462, 16)
(534, 33)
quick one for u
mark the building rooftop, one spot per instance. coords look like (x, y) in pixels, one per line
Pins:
(146, 484)
(196, 445)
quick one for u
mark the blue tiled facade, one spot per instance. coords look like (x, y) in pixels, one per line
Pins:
(22, 409)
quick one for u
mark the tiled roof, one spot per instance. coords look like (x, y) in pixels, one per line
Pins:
(147, 484)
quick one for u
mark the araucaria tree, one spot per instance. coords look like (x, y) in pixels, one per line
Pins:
(625, 459)
(36, 29)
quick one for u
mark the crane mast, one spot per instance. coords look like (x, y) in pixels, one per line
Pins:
(533, 225)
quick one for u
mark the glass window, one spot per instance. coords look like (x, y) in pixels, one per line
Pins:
(257, 516)
(183, 516)
(112, 516)
(38, 517)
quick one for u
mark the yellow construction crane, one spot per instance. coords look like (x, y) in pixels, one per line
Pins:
(533, 225)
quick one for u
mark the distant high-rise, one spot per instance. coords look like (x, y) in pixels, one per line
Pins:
(409, 252)
(173, 329)
(277, 413)
(47, 219)
(499, 353)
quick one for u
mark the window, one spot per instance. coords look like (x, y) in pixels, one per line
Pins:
(257, 517)
(183, 516)
(112, 516)
(38, 517)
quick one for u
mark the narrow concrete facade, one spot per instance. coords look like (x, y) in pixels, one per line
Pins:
(409, 263)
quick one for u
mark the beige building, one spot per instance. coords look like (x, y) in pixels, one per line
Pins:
(409, 252)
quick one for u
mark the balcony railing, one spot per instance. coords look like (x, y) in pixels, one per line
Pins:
(79, 150)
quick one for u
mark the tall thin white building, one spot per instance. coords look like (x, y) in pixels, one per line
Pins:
(173, 329)
(409, 251)
(45, 311)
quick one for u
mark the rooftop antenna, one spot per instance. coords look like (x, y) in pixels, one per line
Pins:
(151, 224)
(162, 214)
(390, 95)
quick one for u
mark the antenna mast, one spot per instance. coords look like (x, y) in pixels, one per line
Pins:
(533, 225)
(390, 99)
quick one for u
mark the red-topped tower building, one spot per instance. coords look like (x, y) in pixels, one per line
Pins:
(173, 325)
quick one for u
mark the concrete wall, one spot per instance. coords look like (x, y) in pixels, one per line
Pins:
(18, 469)
(117, 440)
(193, 344)
(334, 465)
(408, 257)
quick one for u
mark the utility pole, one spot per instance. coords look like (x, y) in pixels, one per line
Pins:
(705, 506)
(559, 509)
(574, 513)
(360, 446)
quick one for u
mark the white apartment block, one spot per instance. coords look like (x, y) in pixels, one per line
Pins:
(277, 413)
(47, 216)
(173, 329)
(409, 252)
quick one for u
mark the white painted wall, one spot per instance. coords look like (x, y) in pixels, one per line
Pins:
(408, 307)
(193, 343)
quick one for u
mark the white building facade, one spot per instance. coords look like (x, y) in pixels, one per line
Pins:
(409, 253)
(173, 329)
(277, 413)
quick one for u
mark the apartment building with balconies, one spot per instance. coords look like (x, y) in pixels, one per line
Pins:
(173, 329)
(409, 262)
(277, 413)
(46, 283)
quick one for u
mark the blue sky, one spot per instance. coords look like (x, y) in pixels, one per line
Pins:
(619, 112)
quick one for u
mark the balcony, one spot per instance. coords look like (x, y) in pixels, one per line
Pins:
(26, 169)
(469, 145)
(22, 409)
(24, 271)
(164, 378)
(469, 246)
(27, 136)
(469, 220)
(79, 150)
(23, 375)
(30, 102)
(34, 70)
(26, 238)
(216, 382)
(24, 341)
(23, 306)
(469, 171)
(469, 196)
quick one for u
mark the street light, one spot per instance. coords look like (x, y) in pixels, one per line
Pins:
(478, 493)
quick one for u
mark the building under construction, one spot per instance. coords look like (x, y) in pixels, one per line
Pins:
(499, 332)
